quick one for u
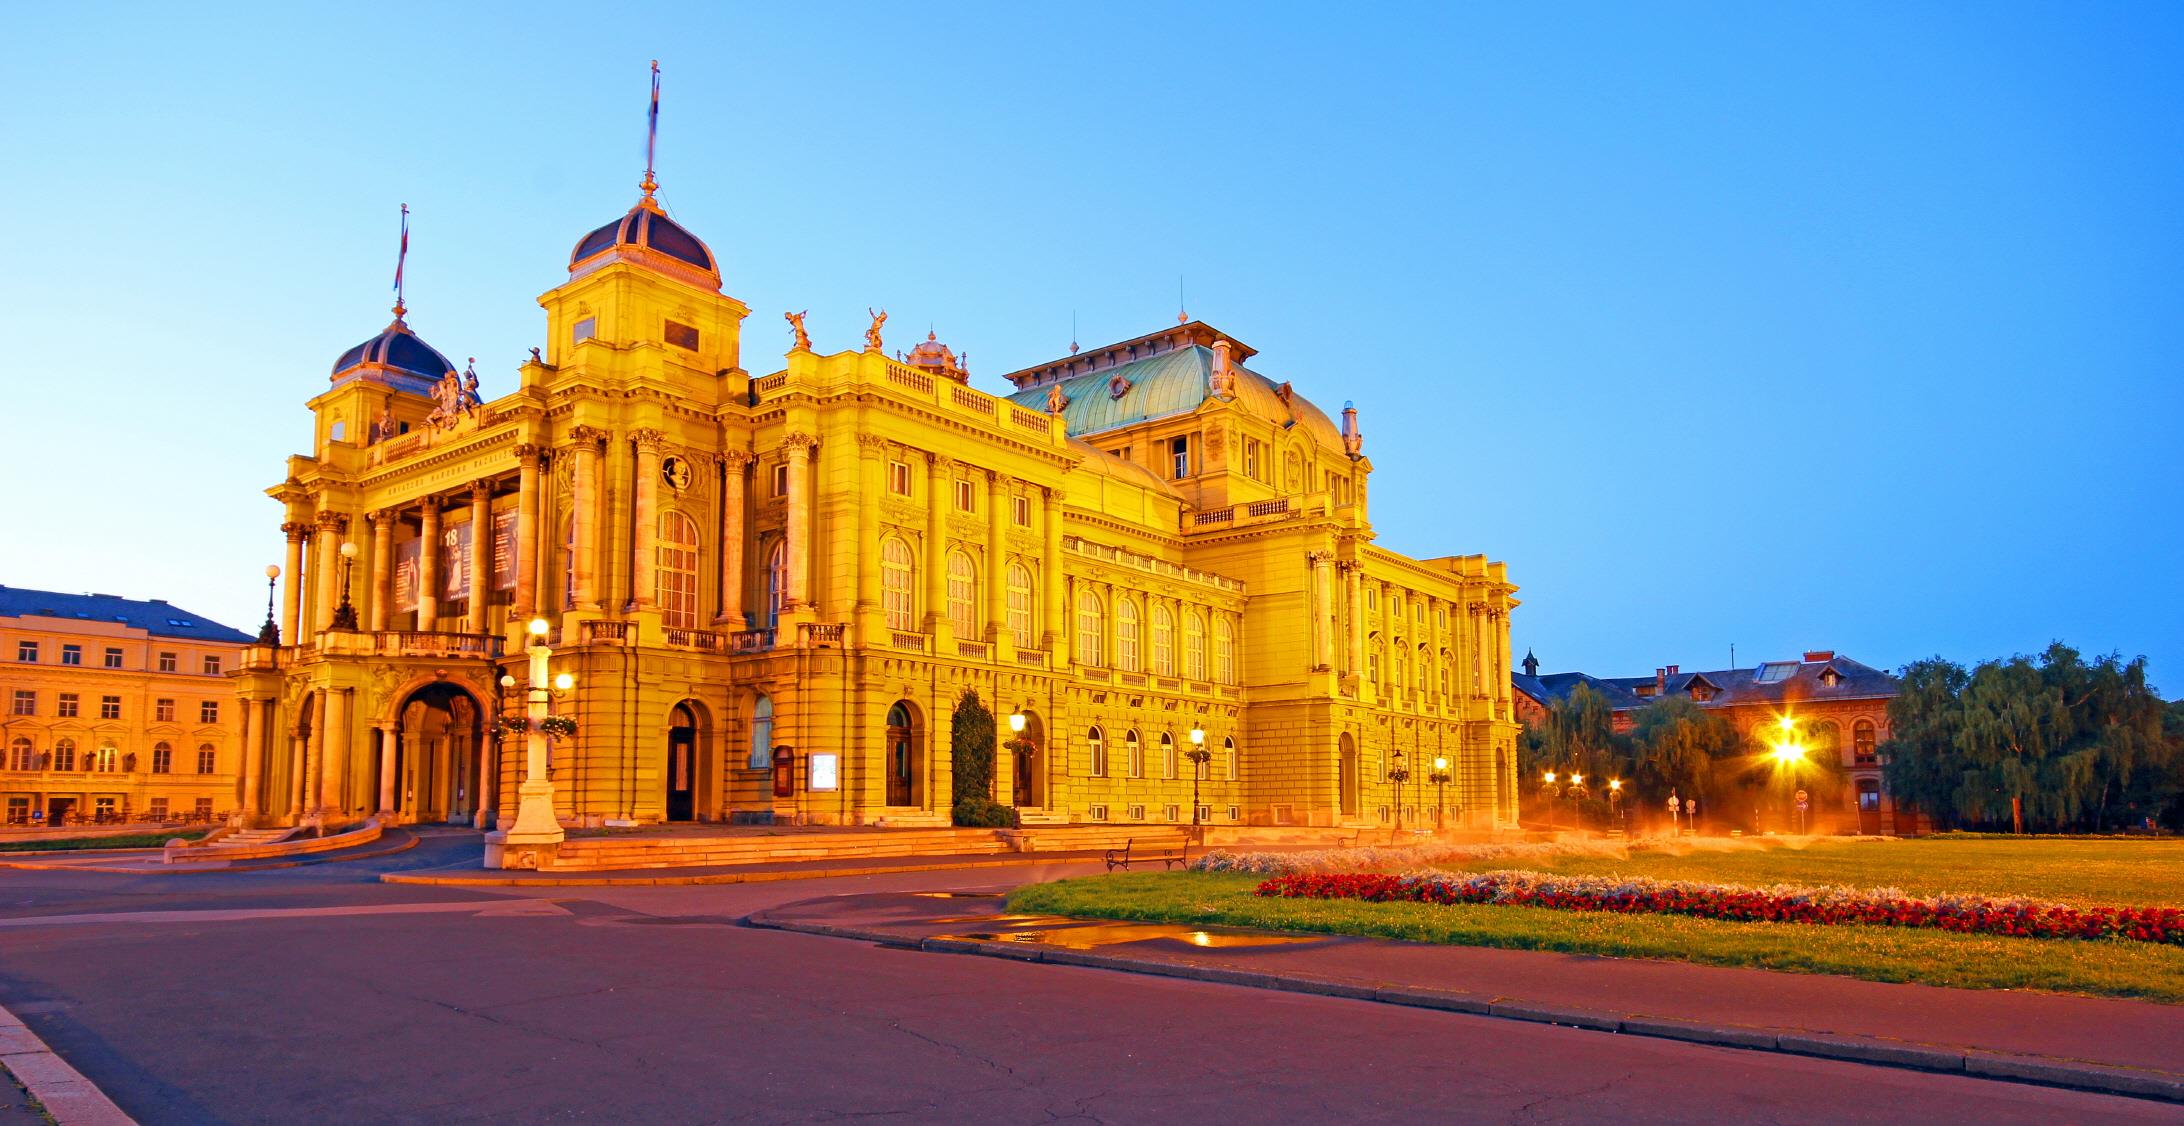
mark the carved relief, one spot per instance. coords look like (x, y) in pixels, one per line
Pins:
(648, 440)
(796, 441)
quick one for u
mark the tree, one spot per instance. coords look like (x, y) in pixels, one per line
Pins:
(1576, 737)
(1676, 744)
(971, 754)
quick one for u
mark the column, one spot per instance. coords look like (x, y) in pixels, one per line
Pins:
(334, 756)
(584, 510)
(1354, 639)
(387, 738)
(325, 569)
(939, 498)
(481, 554)
(997, 556)
(298, 756)
(796, 447)
(1475, 658)
(488, 780)
(872, 484)
(314, 758)
(428, 568)
(645, 529)
(1323, 609)
(292, 597)
(253, 754)
(1055, 598)
(383, 526)
(526, 553)
(731, 538)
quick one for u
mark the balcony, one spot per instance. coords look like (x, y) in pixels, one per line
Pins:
(704, 641)
(408, 643)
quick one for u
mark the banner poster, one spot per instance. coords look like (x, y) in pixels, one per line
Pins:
(455, 562)
(406, 574)
(504, 550)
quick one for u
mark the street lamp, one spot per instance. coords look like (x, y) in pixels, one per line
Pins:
(270, 632)
(1439, 778)
(1199, 755)
(1549, 791)
(1615, 802)
(345, 614)
(1398, 774)
(536, 827)
(1789, 756)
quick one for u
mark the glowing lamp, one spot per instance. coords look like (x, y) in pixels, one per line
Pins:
(564, 682)
(538, 627)
(348, 551)
(1198, 736)
(1016, 723)
(272, 571)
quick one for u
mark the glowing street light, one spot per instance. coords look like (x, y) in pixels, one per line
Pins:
(1199, 755)
(1439, 778)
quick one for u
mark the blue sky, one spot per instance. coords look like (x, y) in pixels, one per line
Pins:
(1842, 326)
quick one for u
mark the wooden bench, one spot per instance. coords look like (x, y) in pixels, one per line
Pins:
(1169, 858)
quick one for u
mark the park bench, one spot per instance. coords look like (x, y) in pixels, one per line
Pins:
(1168, 857)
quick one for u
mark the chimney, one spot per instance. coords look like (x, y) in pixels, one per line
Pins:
(1672, 669)
(1660, 680)
(1819, 656)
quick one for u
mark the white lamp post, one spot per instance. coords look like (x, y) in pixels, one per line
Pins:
(536, 833)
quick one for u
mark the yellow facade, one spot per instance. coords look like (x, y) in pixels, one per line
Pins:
(115, 709)
(811, 565)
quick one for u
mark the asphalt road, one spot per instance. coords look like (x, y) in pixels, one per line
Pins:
(316, 994)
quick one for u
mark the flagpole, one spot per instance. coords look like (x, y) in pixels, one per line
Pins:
(401, 259)
(652, 132)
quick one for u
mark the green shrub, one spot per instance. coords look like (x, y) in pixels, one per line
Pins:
(971, 746)
(985, 813)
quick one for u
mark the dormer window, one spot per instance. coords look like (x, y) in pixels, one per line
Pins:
(681, 336)
(1830, 678)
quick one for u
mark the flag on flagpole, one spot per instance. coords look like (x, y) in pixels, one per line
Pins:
(401, 259)
(652, 119)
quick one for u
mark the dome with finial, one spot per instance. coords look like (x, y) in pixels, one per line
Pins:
(396, 351)
(932, 356)
(647, 237)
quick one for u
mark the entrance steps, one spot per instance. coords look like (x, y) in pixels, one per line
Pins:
(619, 853)
(257, 836)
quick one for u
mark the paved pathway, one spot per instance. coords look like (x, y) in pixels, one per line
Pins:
(654, 1004)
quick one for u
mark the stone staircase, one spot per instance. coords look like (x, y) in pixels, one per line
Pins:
(593, 854)
(252, 837)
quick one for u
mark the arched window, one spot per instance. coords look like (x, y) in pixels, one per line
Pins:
(1372, 658)
(1425, 670)
(962, 594)
(1091, 630)
(64, 754)
(1446, 661)
(1098, 743)
(1194, 645)
(1224, 651)
(1134, 752)
(898, 584)
(1126, 634)
(1163, 641)
(20, 756)
(208, 759)
(162, 758)
(1861, 741)
(777, 581)
(1395, 667)
(762, 734)
(1023, 606)
(675, 580)
(1167, 755)
(1228, 754)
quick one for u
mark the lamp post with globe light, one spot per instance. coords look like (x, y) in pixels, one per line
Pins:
(1439, 778)
(1789, 754)
(1199, 756)
(1398, 773)
(270, 632)
(536, 834)
(345, 614)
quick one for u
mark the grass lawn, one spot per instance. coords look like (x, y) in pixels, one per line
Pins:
(131, 840)
(2127, 872)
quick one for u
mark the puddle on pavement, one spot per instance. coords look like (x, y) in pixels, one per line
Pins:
(1115, 934)
(957, 894)
(677, 921)
(1007, 920)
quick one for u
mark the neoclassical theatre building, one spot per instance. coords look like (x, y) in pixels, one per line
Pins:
(772, 589)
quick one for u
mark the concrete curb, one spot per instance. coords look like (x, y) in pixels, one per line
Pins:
(491, 879)
(66, 1095)
(241, 866)
(2041, 1070)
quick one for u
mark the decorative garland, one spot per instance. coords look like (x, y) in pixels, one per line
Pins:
(1819, 906)
(557, 726)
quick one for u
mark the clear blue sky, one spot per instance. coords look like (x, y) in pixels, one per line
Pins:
(1831, 326)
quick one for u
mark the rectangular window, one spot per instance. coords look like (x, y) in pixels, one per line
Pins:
(584, 330)
(1181, 448)
(26, 702)
(204, 807)
(71, 654)
(162, 759)
(67, 706)
(207, 758)
(212, 666)
(1022, 507)
(163, 710)
(113, 658)
(26, 651)
(1099, 755)
(109, 707)
(19, 811)
(168, 662)
(898, 478)
(681, 336)
(966, 498)
(208, 711)
(157, 810)
(780, 480)
(1251, 458)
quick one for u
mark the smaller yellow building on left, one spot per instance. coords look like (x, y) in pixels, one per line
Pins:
(114, 710)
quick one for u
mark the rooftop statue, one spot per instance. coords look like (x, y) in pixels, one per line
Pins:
(1056, 399)
(872, 335)
(796, 325)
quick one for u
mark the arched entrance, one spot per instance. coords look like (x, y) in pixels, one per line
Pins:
(682, 764)
(905, 757)
(438, 749)
(1346, 776)
(1027, 779)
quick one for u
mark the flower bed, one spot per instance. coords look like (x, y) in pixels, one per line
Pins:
(1475, 852)
(1825, 906)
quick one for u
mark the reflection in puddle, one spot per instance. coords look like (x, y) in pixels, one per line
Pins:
(1008, 920)
(957, 894)
(1115, 934)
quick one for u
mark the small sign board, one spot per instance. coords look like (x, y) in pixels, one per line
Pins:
(1802, 800)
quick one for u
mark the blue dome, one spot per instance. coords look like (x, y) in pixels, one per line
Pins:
(648, 228)
(397, 348)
